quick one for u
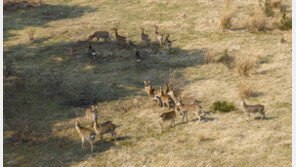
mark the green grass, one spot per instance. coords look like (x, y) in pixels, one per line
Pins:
(60, 82)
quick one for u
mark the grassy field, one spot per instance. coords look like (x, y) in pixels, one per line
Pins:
(50, 81)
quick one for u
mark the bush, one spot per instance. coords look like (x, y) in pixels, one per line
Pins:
(222, 106)
(245, 66)
(226, 21)
(285, 23)
(268, 9)
(256, 23)
(11, 5)
(245, 90)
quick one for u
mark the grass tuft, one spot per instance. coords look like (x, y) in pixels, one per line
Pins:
(245, 89)
(245, 66)
(222, 106)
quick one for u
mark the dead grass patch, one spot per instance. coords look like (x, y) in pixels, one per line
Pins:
(257, 22)
(245, 65)
(11, 5)
(245, 89)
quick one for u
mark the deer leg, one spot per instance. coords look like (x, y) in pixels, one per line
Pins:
(82, 140)
(91, 145)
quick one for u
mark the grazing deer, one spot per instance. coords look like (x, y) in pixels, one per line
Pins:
(85, 134)
(144, 37)
(168, 43)
(104, 128)
(119, 39)
(152, 93)
(137, 58)
(248, 109)
(92, 52)
(195, 108)
(171, 115)
(91, 113)
(100, 34)
(158, 35)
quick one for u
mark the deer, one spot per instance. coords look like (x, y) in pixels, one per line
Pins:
(85, 134)
(100, 34)
(144, 37)
(168, 43)
(137, 58)
(171, 115)
(104, 128)
(91, 113)
(158, 35)
(248, 109)
(92, 52)
(120, 39)
(186, 108)
(165, 99)
(132, 45)
(152, 93)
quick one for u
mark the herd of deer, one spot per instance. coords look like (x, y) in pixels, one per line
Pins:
(122, 41)
(164, 96)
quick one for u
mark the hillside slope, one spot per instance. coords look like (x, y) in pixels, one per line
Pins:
(50, 81)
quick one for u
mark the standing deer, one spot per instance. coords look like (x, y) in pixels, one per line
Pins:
(248, 109)
(85, 134)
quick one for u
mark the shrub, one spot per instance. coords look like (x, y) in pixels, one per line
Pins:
(245, 66)
(222, 106)
(245, 90)
(226, 21)
(285, 23)
(11, 5)
(226, 59)
(268, 8)
(256, 23)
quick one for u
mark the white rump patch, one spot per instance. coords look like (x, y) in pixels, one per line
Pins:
(138, 60)
(93, 53)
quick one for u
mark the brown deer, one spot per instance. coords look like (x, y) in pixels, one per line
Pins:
(152, 93)
(85, 134)
(91, 113)
(101, 34)
(104, 128)
(158, 35)
(119, 39)
(185, 109)
(171, 115)
(144, 37)
(165, 99)
(248, 109)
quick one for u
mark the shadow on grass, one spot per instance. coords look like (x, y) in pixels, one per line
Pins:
(39, 16)
(266, 118)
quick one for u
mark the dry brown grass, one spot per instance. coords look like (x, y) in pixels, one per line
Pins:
(257, 22)
(225, 19)
(209, 58)
(245, 65)
(19, 4)
(245, 89)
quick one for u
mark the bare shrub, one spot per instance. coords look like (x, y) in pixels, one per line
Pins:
(245, 89)
(276, 3)
(175, 82)
(245, 66)
(257, 22)
(268, 8)
(226, 21)
(285, 23)
(226, 59)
